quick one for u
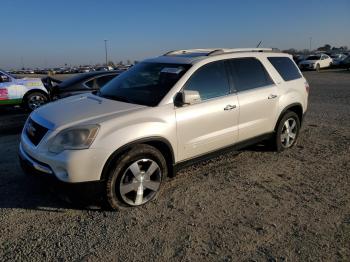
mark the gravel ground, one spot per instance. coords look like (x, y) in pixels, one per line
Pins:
(252, 205)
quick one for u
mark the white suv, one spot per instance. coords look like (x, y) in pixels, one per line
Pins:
(165, 113)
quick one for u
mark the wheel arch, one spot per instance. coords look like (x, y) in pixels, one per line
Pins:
(34, 91)
(160, 143)
(296, 108)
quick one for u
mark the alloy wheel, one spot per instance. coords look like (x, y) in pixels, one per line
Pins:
(36, 101)
(140, 182)
(289, 132)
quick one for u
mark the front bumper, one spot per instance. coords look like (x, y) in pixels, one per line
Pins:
(30, 165)
(72, 166)
(307, 66)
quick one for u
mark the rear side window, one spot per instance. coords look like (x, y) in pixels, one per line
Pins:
(101, 81)
(285, 67)
(91, 83)
(210, 81)
(248, 73)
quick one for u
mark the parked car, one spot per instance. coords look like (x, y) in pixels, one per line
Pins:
(298, 58)
(104, 68)
(316, 62)
(337, 58)
(163, 114)
(345, 63)
(28, 92)
(84, 69)
(79, 84)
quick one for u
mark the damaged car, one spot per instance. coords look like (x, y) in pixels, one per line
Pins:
(78, 84)
(27, 92)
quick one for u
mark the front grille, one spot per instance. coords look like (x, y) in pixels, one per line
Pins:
(35, 132)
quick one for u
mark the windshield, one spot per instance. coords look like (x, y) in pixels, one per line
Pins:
(313, 57)
(145, 83)
(7, 73)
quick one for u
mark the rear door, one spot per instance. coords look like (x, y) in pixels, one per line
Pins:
(212, 123)
(257, 97)
(323, 61)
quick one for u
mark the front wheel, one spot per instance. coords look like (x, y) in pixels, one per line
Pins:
(287, 131)
(35, 100)
(136, 177)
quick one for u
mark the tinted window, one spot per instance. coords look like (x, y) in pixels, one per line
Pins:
(101, 81)
(285, 67)
(145, 83)
(90, 84)
(77, 79)
(249, 73)
(210, 81)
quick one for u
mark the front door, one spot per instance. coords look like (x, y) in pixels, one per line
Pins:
(212, 123)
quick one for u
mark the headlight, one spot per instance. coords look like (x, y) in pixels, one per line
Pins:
(80, 137)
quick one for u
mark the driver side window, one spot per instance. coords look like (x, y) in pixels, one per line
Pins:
(210, 81)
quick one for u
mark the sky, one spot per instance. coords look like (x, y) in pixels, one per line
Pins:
(47, 33)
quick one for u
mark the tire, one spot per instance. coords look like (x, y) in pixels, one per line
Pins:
(318, 68)
(128, 183)
(34, 100)
(286, 137)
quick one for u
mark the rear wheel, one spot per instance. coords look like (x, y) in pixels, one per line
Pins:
(136, 177)
(34, 100)
(287, 131)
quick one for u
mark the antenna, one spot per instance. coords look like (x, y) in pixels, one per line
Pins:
(259, 44)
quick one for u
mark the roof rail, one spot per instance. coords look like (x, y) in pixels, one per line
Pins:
(188, 51)
(216, 52)
(213, 51)
(234, 50)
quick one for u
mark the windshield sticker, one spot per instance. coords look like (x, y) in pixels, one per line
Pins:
(172, 70)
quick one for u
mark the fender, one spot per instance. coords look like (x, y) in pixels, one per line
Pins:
(35, 90)
(157, 142)
(300, 114)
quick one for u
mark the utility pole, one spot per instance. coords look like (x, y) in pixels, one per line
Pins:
(106, 51)
(310, 43)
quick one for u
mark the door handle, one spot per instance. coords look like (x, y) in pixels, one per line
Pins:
(272, 96)
(229, 107)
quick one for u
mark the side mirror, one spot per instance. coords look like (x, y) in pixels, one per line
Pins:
(187, 97)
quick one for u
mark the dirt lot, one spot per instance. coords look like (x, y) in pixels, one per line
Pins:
(254, 205)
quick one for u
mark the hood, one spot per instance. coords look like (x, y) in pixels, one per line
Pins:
(74, 110)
